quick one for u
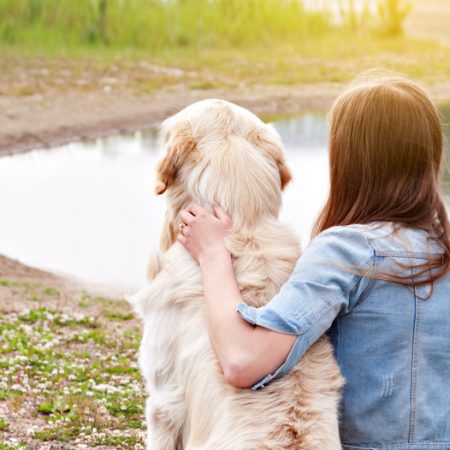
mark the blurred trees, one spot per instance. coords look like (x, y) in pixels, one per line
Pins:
(392, 14)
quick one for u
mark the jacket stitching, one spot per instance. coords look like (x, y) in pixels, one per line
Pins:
(405, 254)
(416, 445)
(308, 323)
(369, 286)
(412, 421)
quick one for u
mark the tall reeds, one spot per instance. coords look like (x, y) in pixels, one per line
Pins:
(154, 24)
(158, 24)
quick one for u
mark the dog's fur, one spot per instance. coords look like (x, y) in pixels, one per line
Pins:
(215, 151)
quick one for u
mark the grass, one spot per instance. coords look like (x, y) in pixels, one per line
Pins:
(156, 24)
(12, 446)
(31, 291)
(71, 376)
(327, 59)
(148, 45)
(159, 24)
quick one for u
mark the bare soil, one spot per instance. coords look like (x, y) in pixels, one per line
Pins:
(50, 330)
(54, 118)
(49, 116)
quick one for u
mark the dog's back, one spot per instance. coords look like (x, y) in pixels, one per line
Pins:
(189, 396)
(190, 405)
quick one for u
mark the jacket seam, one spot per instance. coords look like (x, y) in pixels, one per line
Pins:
(396, 443)
(404, 254)
(309, 324)
(405, 445)
(367, 266)
(413, 394)
(309, 320)
(370, 284)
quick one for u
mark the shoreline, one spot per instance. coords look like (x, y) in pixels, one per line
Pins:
(49, 120)
(53, 119)
(40, 121)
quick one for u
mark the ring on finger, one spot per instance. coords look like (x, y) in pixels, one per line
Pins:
(184, 228)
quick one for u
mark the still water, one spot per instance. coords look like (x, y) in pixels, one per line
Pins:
(88, 210)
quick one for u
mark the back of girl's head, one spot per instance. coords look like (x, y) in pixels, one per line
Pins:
(386, 151)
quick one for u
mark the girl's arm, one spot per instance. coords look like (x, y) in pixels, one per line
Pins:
(245, 352)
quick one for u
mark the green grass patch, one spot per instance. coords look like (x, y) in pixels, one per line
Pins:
(19, 446)
(85, 300)
(128, 441)
(162, 24)
(59, 433)
(117, 315)
(45, 408)
(157, 24)
(4, 394)
(333, 58)
(3, 424)
(203, 44)
(52, 292)
(84, 382)
(31, 290)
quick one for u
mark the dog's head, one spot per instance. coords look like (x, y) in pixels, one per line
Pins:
(217, 152)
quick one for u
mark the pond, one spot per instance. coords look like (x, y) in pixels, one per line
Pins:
(88, 209)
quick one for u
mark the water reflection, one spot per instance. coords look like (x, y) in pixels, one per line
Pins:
(88, 209)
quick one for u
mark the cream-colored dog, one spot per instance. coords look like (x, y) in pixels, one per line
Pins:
(215, 151)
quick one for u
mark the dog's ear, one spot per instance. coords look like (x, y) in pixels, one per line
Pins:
(180, 144)
(271, 144)
(285, 173)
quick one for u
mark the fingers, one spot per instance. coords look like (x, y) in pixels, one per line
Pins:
(222, 215)
(186, 217)
(181, 239)
(184, 229)
(196, 210)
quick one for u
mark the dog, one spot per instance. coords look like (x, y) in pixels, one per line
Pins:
(218, 152)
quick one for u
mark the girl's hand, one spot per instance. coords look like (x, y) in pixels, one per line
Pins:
(203, 234)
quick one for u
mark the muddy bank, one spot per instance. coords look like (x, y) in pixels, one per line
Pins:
(47, 120)
(50, 119)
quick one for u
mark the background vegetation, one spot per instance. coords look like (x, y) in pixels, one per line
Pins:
(157, 24)
(210, 43)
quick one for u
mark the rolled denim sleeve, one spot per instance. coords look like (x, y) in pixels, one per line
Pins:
(327, 280)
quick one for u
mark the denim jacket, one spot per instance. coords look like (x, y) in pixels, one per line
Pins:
(392, 346)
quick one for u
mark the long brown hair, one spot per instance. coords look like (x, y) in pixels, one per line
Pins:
(386, 152)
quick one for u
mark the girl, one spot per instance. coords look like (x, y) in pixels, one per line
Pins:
(375, 277)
